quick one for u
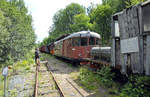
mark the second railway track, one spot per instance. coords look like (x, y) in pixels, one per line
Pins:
(52, 83)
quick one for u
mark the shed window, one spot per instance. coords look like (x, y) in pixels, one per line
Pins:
(117, 33)
(76, 42)
(84, 41)
(91, 41)
(146, 17)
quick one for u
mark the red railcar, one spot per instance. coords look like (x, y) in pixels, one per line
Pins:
(44, 49)
(77, 46)
(51, 48)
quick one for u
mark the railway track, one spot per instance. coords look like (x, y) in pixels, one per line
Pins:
(51, 83)
(45, 84)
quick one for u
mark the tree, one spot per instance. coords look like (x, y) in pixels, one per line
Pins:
(81, 22)
(64, 19)
(47, 40)
(101, 20)
(130, 3)
(16, 30)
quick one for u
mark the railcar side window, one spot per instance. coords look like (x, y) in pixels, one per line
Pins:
(97, 41)
(76, 42)
(84, 41)
(91, 41)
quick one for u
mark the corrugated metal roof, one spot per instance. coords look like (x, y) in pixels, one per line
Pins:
(146, 2)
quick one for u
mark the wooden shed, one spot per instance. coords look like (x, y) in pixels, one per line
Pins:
(131, 39)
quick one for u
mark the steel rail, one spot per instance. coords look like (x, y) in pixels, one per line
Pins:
(58, 87)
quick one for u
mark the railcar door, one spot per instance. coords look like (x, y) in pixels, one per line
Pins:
(75, 48)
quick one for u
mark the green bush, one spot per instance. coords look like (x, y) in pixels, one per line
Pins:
(23, 65)
(88, 79)
(137, 86)
(103, 77)
(106, 76)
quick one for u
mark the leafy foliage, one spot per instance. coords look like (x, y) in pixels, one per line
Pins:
(64, 18)
(130, 3)
(88, 79)
(103, 77)
(47, 40)
(117, 5)
(17, 35)
(81, 22)
(71, 19)
(137, 86)
(101, 19)
(106, 76)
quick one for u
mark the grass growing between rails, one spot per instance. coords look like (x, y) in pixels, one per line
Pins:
(135, 86)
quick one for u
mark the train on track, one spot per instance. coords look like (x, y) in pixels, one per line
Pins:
(75, 47)
(130, 49)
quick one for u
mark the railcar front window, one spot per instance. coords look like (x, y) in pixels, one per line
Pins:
(91, 41)
(84, 41)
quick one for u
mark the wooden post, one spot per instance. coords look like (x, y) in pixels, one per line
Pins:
(36, 81)
(5, 73)
(5, 85)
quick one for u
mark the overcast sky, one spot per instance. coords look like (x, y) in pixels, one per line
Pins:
(43, 11)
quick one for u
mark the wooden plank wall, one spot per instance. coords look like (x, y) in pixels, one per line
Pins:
(147, 65)
(129, 28)
(113, 53)
(131, 25)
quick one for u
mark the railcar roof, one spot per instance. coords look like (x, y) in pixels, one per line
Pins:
(84, 34)
(81, 34)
